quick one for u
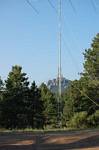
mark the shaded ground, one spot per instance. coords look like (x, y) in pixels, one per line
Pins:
(65, 140)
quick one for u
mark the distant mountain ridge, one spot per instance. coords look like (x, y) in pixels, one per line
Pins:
(53, 84)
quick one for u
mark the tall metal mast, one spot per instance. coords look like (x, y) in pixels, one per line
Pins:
(59, 61)
(59, 65)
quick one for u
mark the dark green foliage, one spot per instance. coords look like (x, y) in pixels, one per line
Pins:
(23, 106)
(74, 100)
(15, 99)
(83, 94)
(78, 120)
(35, 107)
(91, 56)
(1, 97)
(91, 72)
(93, 120)
(50, 106)
(1, 89)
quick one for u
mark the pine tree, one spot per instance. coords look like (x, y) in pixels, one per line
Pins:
(35, 107)
(15, 99)
(50, 106)
(91, 73)
(91, 55)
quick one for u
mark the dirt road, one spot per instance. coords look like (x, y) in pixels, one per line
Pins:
(65, 140)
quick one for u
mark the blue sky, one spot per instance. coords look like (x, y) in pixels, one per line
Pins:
(31, 40)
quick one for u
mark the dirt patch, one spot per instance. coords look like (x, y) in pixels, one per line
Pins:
(65, 139)
(79, 140)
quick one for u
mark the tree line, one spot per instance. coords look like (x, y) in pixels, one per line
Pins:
(25, 105)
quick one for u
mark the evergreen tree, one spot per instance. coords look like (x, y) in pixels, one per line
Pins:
(35, 107)
(1, 98)
(83, 94)
(15, 99)
(91, 74)
(91, 64)
(1, 89)
(50, 106)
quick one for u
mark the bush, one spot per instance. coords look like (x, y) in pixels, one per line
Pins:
(93, 120)
(79, 120)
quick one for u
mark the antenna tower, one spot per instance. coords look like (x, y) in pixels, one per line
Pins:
(59, 62)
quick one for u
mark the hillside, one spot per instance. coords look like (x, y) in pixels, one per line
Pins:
(53, 84)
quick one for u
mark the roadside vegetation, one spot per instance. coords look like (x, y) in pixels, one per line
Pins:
(24, 105)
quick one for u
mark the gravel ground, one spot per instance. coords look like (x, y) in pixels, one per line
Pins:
(65, 140)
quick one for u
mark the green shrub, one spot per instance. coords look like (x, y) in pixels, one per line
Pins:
(78, 120)
(93, 120)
